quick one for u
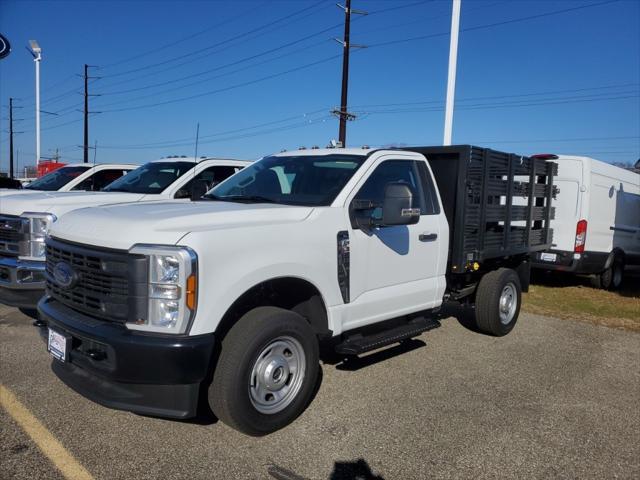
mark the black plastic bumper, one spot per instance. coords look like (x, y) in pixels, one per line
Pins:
(119, 368)
(588, 263)
(20, 297)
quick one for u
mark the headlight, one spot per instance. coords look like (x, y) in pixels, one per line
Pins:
(37, 227)
(172, 289)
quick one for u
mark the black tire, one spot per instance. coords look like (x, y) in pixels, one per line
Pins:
(611, 278)
(488, 302)
(231, 396)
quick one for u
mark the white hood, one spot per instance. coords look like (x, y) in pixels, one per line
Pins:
(5, 192)
(60, 203)
(123, 226)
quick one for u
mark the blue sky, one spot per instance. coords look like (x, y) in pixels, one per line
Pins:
(262, 76)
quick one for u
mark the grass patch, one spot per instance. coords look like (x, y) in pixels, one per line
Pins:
(571, 297)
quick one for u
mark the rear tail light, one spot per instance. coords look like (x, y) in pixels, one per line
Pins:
(581, 236)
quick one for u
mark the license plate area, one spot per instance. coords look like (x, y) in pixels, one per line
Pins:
(548, 257)
(59, 345)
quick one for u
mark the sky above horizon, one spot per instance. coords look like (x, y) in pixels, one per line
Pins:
(262, 76)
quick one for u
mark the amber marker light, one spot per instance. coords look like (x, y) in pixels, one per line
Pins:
(192, 288)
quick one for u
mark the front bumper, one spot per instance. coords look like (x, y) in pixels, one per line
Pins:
(158, 375)
(586, 263)
(22, 282)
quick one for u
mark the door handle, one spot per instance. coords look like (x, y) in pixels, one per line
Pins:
(428, 237)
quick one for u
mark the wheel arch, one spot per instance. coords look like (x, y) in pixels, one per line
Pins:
(289, 292)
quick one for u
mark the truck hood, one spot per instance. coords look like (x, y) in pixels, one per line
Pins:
(122, 226)
(60, 203)
(5, 192)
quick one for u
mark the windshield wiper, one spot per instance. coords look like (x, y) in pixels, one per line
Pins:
(242, 198)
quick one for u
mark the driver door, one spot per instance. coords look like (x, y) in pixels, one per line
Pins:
(397, 269)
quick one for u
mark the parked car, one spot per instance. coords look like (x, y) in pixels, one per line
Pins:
(354, 249)
(77, 177)
(10, 183)
(596, 229)
(25, 219)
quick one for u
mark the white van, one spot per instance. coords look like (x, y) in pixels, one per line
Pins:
(596, 230)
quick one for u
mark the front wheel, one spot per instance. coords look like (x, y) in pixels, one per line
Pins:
(498, 301)
(267, 371)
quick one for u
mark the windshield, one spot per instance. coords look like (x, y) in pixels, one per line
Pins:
(57, 179)
(152, 177)
(301, 180)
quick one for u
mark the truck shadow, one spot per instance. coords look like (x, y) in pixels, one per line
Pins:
(355, 470)
(464, 314)
(630, 284)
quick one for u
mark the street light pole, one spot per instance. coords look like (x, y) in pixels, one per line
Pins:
(36, 51)
(451, 80)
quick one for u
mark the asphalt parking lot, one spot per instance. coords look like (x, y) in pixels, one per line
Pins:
(554, 399)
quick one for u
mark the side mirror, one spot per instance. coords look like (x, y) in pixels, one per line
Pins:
(397, 208)
(198, 189)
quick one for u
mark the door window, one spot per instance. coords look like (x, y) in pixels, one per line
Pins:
(211, 175)
(392, 171)
(100, 179)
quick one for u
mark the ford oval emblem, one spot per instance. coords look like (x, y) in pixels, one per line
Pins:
(64, 274)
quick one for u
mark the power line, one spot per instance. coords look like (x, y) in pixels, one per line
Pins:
(231, 87)
(65, 94)
(497, 97)
(208, 79)
(200, 51)
(415, 102)
(303, 116)
(188, 37)
(211, 92)
(488, 106)
(235, 62)
(495, 24)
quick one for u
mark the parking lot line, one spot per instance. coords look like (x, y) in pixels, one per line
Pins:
(50, 446)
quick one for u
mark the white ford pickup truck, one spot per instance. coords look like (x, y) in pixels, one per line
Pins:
(25, 219)
(74, 178)
(228, 300)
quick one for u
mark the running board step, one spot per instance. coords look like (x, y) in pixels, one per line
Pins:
(358, 344)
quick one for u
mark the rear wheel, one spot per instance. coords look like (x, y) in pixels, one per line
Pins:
(266, 373)
(611, 278)
(498, 301)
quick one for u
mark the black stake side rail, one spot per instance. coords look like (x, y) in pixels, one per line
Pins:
(498, 204)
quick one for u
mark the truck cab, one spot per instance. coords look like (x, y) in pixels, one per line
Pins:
(26, 219)
(74, 178)
(233, 296)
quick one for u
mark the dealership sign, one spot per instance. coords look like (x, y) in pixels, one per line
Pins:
(5, 47)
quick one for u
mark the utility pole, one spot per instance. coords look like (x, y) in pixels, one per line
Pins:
(343, 113)
(86, 111)
(12, 132)
(86, 114)
(451, 80)
(11, 138)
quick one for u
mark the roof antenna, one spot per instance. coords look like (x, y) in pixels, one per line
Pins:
(197, 137)
(195, 161)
